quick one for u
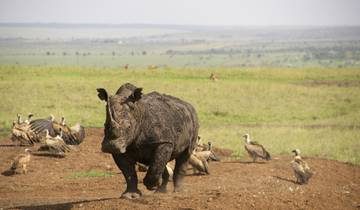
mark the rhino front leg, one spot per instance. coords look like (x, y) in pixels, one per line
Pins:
(158, 167)
(127, 168)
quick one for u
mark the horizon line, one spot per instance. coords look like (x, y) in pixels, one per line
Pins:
(169, 24)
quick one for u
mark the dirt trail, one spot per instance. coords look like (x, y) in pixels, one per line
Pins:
(231, 185)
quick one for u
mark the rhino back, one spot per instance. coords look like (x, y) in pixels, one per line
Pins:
(167, 119)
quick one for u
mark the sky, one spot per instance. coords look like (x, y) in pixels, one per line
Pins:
(184, 12)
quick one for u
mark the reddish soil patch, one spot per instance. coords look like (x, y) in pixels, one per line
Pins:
(231, 185)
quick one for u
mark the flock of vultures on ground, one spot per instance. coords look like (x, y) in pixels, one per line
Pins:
(56, 138)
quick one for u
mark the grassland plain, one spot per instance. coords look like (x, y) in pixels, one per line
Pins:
(314, 109)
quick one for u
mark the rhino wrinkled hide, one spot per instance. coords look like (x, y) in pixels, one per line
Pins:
(151, 129)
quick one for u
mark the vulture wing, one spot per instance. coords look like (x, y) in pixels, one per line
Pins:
(265, 154)
(199, 163)
(23, 133)
(73, 136)
(258, 150)
(307, 172)
(40, 125)
(207, 155)
(301, 169)
(55, 145)
(78, 133)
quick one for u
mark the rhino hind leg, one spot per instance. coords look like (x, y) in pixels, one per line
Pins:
(127, 168)
(180, 169)
(158, 167)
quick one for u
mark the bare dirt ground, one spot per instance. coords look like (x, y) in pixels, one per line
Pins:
(231, 184)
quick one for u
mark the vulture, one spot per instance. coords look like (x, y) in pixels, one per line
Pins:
(199, 158)
(213, 77)
(71, 135)
(199, 145)
(22, 132)
(20, 162)
(255, 149)
(29, 118)
(143, 168)
(199, 164)
(30, 131)
(54, 144)
(207, 154)
(170, 171)
(301, 169)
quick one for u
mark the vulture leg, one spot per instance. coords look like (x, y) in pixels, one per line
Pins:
(254, 158)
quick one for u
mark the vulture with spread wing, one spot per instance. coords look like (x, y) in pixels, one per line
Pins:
(22, 132)
(54, 145)
(71, 135)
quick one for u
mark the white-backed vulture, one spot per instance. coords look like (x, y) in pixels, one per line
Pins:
(22, 133)
(170, 171)
(255, 150)
(301, 169)
(30, 131)
(143, 168)
(199, 164)
(201, 156)
(40, 125)
(29, 118)
(62, 122)
(71, 135)
(207, 154)
(200, 146)
(213, 77)
(19, 119)
(54, 145)
(20, 162)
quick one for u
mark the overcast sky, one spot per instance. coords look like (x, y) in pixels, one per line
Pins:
(183, 12)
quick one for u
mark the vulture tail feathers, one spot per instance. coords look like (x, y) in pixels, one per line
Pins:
(267, 155)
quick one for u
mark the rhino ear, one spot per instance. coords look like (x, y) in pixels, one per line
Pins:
(136, 95)
(102, 94)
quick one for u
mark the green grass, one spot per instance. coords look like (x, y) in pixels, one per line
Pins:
(91, 173)
(279, 107)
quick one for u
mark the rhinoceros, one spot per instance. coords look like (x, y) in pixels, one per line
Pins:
(151, 129)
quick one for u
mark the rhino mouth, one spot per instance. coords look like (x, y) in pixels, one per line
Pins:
(113, 146)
